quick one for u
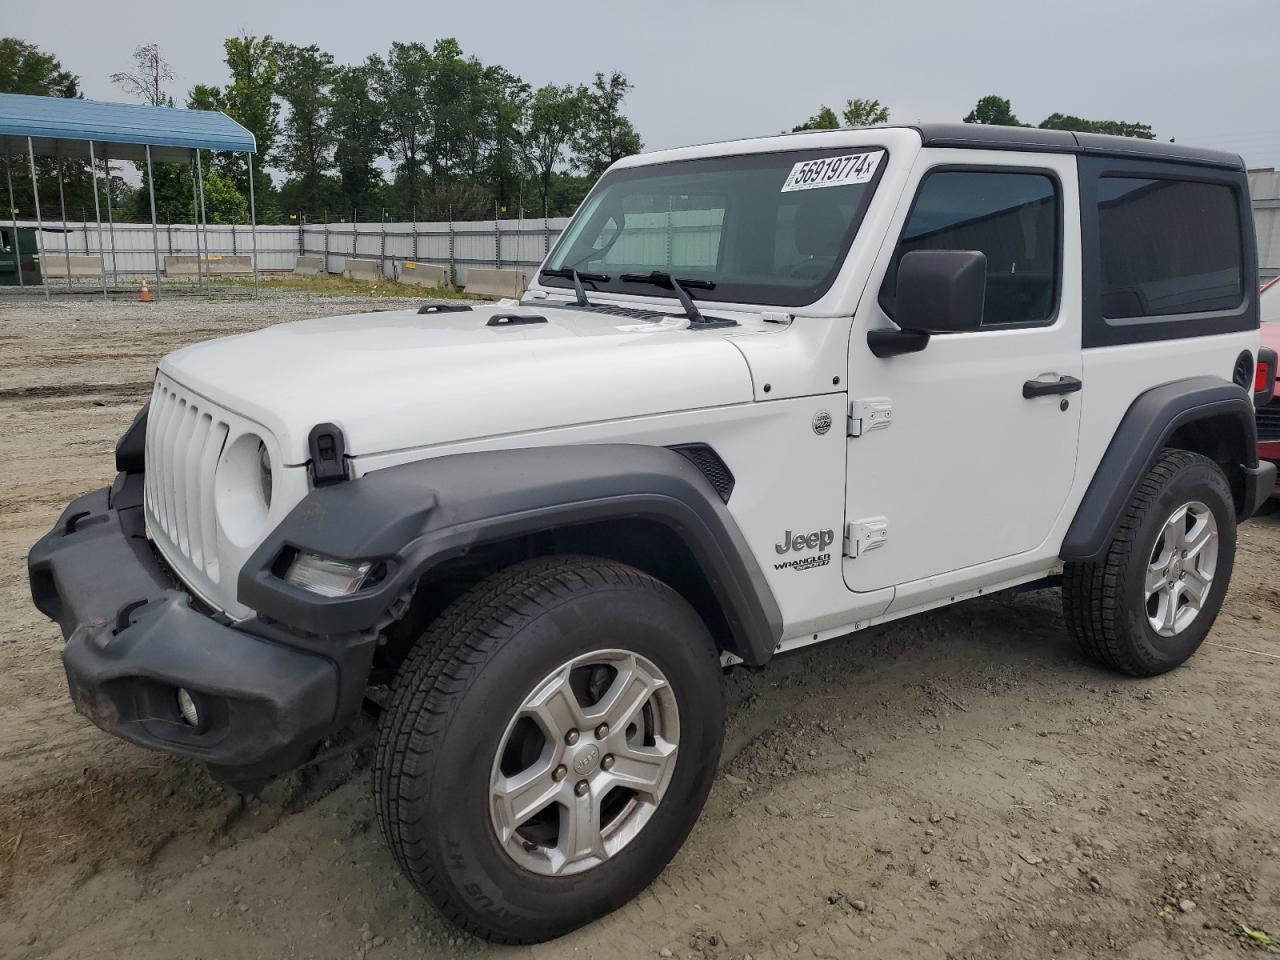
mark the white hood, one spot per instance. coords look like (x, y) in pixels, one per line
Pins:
(399, 379)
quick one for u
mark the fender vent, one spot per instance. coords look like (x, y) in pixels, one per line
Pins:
(1242, 376)
(709, 465)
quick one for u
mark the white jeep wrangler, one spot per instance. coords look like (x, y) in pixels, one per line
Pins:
(762, 394)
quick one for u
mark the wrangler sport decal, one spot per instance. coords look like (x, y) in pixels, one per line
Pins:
(797, 542)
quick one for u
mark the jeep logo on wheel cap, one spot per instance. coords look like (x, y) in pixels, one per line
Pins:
(586, 760)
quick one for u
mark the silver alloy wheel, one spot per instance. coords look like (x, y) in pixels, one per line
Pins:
(584, 762)
(1181, 569)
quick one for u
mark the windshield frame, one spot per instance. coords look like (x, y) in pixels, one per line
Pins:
(762, 294)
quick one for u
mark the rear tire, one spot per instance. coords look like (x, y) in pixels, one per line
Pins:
(1146, 607)
(547, 647)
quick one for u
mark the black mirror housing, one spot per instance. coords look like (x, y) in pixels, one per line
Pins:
(941, 291)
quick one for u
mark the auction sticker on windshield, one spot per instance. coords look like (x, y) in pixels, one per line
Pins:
(832, 171)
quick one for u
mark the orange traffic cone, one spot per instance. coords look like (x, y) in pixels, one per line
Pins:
(145, 296)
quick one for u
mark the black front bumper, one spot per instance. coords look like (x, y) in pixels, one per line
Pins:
(265, 696)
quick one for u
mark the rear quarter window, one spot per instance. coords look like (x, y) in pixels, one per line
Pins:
(1168, 247)
(1167, 250)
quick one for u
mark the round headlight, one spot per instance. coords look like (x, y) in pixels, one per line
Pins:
(242, 489)
(264, 473)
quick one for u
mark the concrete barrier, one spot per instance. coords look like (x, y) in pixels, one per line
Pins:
(308, 266)
(424, 274)
(487, 282)
(188, 265)
(83, 266)
(358, 269)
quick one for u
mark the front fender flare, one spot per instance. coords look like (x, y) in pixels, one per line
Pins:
(417, 515)
(1145, 429)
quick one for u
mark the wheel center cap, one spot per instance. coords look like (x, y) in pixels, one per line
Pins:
(586, 759)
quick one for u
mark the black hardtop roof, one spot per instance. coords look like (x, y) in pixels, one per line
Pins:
(982, 136)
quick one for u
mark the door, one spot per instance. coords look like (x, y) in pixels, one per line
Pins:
(978, 457)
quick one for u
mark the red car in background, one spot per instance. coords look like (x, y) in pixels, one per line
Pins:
(1269, 415)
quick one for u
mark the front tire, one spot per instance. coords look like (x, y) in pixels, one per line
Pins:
(548, 746)
(1149, 604)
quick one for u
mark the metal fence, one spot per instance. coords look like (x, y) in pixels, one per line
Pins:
(126, 248)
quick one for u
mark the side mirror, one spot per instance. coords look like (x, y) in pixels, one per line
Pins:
(939, 291)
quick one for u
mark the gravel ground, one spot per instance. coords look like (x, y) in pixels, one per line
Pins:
(957, 785)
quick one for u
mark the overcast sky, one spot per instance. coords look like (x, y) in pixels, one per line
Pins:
(1205, 73)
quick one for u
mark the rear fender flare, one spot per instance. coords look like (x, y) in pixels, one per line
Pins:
(1146, 428)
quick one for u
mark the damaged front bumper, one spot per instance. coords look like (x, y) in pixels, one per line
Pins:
(264, 696)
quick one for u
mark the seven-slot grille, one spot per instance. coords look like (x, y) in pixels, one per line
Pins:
(1269, 421)
(183, 446)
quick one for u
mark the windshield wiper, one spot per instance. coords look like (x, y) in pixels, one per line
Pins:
(569, 273)
(660, 278)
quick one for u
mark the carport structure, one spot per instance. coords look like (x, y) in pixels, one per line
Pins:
(99, 132)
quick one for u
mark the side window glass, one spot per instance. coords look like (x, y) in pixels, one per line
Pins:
(1014, 218)
(1168, 247)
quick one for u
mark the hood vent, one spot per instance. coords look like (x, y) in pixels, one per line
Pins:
(444, 308)
(610, 310)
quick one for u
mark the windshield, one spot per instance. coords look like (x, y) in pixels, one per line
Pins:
(1269, 302)
(771, 228)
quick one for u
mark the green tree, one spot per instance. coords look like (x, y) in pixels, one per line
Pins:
(864, 113)
(1118, 128)
(994, 110)
(401, 88)
(204, 96)
(151, 71)
(306, 76)
(507, 100)
(355, 124)
(25, 68)
(856, 113)
(223, 202)
(455, 101)
(824, 119)
(175, 198)
(605, 134)
(249, 99)
(555, 114)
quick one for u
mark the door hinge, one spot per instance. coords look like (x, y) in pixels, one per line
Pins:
(874, 413)
(863, 535)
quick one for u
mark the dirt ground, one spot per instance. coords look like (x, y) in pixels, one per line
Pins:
(956, 785)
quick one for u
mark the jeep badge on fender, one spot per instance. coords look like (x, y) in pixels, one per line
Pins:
(818, 540)
(541, 532)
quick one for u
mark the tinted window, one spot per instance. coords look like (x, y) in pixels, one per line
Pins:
(1011, 217)
(1168, 247)
(751, 225)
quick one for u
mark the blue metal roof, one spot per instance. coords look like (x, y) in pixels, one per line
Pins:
(64, 127)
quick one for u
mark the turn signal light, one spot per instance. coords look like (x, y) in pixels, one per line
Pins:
(326, 576)
(1261, 376)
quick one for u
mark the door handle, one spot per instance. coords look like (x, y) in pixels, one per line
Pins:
(1047, 388)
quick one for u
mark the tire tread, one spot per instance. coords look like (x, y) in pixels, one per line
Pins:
(1091, 602)
(438, 671)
